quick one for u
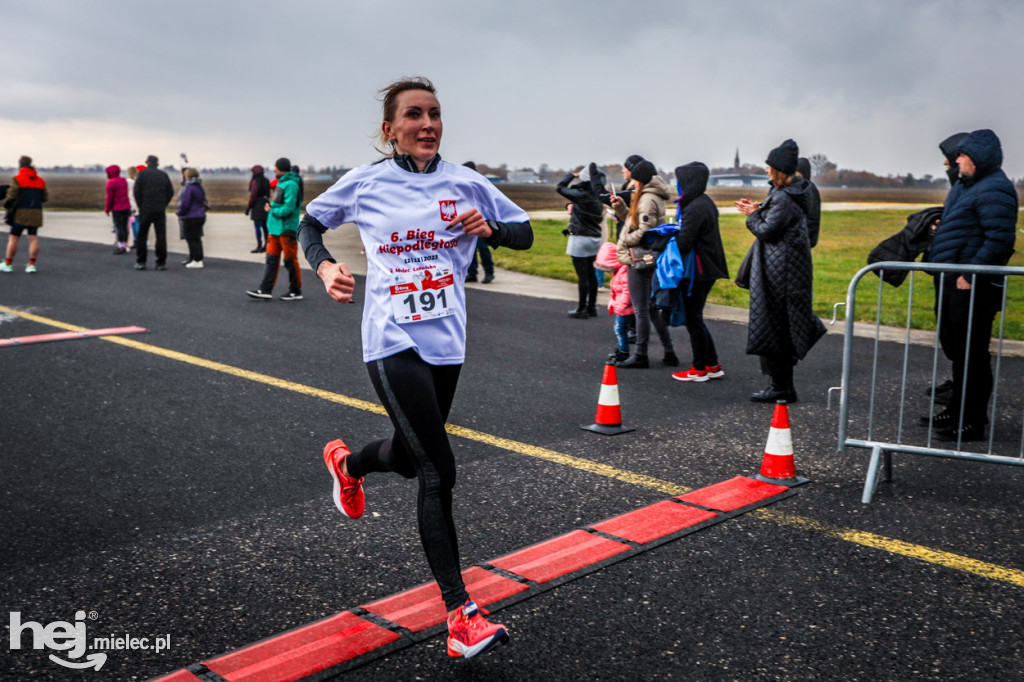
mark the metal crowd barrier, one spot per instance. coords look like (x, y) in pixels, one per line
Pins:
(880, 422)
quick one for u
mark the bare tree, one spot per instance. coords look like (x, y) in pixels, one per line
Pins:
(820, 165)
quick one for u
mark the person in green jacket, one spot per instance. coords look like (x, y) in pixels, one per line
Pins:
(283, 215)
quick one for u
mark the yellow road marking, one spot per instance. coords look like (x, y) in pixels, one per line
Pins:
(946, 559)
(956, 562)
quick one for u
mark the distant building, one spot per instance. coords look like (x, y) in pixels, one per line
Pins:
(737, 180)
(525, 176)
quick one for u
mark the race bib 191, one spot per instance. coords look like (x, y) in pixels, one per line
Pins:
(423, 295)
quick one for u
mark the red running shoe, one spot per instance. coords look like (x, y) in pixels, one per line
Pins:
(470, 635)
(348, 492)
(715, 372)
(692, 374)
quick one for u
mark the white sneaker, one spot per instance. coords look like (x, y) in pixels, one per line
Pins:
(194, 264)
(4, 267)
(30, 268)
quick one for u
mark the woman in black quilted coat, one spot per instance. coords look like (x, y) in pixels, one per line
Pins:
(783, 326)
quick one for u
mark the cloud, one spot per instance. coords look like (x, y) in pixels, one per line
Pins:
(873, 84)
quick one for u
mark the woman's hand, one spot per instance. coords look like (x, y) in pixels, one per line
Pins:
(747, 206)
(616, 201)
(337, 279)
(472, 224)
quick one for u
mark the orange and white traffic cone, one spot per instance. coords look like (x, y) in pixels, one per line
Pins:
(778, 465)
(609, 416)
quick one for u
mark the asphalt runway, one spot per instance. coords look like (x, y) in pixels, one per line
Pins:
(168, 496)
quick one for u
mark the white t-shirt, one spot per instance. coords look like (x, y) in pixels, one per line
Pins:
(416, 268)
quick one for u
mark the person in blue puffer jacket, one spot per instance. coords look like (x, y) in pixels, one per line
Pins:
(978, 227)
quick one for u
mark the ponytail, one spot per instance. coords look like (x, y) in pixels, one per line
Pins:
(634, 204)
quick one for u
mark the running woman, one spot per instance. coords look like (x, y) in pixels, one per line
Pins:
(419, 219)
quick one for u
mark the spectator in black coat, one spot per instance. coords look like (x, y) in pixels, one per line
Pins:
(256, 209)
(153, 191)
(699, 231)
(943, 393)
(483, 251)
(625, 190)
(948, 149)
(978, 227)
(783, 326)
(302, 185)
(584, 234)
(803, 169)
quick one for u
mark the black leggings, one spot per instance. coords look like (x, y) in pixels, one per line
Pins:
(193, 229)
(703, 346)
(418, 397)
(587, 282)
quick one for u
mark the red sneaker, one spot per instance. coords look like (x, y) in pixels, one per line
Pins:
(348, 492)
(692, 374)
(715, 372)
(470, 635)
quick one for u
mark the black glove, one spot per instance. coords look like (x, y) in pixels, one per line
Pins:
(566, 232)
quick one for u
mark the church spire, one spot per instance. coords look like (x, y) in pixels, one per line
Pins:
(736, 161)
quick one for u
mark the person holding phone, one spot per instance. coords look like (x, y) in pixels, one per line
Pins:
(782, 326)
(646, 210)
(419, 219)
(586, 217)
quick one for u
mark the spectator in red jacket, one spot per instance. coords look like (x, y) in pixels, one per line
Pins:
(119, 205)
(25, 199)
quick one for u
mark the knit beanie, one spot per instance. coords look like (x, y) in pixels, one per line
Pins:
(784, 157)
(803, 167)
(631, 161)
(643, 171)
(283, 164)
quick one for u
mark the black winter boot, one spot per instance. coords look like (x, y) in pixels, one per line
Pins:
(617, 356)
(635, 361)
(774, 394)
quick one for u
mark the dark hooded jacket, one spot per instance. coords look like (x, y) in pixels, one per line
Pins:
(153, 190)
(803, 167)
(699, 223)
(26, 196)
(979, 220)
(587, 210)
(948, 147)
(782, 319)
(259, 195)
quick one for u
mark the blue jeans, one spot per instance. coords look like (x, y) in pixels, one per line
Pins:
(622, 325)
(486, 260)
(261, 232)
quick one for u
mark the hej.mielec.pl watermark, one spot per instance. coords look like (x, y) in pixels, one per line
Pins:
(72, 639)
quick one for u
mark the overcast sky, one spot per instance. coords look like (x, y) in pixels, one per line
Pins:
(872, 84)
